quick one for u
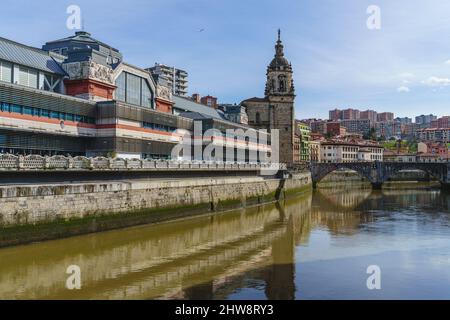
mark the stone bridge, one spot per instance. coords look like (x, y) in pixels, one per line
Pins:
(379, 172)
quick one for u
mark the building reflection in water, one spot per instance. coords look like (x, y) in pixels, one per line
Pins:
(209, 257)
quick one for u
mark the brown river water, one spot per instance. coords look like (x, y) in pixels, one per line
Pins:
(316, 246)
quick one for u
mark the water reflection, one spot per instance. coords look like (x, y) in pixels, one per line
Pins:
(279, 251)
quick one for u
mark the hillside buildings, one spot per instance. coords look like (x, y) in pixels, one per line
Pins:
(425, 119)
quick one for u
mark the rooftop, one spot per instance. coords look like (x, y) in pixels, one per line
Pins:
(84, 37)
(29, 56)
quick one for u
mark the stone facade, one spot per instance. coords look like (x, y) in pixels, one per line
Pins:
(136, 201)
(276, 109)
(89, 80)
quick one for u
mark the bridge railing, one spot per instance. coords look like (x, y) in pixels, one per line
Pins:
(9, 162)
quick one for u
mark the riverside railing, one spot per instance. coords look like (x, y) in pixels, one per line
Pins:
(9, 162)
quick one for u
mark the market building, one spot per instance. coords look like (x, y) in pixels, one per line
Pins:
(78, 96)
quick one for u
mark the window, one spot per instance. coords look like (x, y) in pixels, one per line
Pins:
(28, 110)
(54, 114)
(258, 118)
(28, 77)
(146, 94)
(45, 113)
(70, 117)
(6, 71)
(121, 87)
(133, 89)
(5, 107)
(16, 109)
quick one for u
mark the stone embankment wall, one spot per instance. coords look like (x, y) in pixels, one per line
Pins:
(49, 211)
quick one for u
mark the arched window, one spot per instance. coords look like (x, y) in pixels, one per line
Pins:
(133, 89)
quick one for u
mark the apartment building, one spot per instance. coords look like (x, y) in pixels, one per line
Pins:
(171, 77)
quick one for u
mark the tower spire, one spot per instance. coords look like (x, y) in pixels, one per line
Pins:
(279, 46)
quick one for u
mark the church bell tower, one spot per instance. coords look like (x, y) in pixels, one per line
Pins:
(280, 93)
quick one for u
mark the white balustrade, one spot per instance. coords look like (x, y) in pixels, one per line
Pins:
(37, 162)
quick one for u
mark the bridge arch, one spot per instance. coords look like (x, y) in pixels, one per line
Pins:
(378, 173)
(321, 170)
(436, 170)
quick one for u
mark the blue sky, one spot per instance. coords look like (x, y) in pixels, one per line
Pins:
(338, 62)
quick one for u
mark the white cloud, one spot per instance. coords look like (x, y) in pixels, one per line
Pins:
(447, 62)
(403, 89)
(437, 82)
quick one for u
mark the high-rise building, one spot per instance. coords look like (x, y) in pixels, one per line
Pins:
(425, 119)
(175, 79)
(369, 115)
(359, 126)
(385, 116)
(335, 115)
(389, 129)
(404, 120)
(443, 122)
(350, 114)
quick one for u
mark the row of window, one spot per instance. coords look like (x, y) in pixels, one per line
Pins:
(38, 112)
(28, 77)
(158, 127)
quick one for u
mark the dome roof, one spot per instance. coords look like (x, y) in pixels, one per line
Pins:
(279, 62)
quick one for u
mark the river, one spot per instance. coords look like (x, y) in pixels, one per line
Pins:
(317, 246)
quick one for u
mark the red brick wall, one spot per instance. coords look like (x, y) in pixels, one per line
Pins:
(95, 88)
(163, 105)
